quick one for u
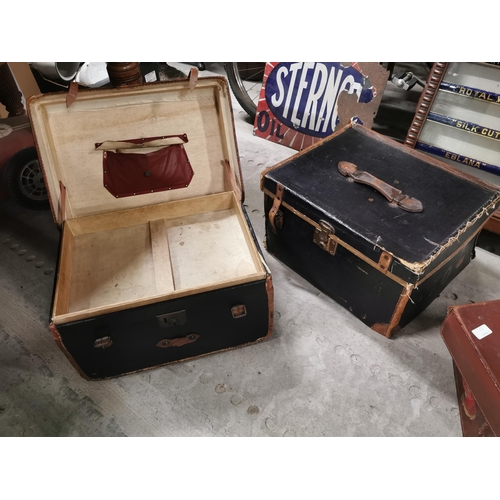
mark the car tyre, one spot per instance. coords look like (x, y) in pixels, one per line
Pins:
(24, 180)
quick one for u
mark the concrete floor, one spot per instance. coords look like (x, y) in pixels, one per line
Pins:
(322, 373)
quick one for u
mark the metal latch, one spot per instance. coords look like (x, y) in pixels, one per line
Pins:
(168, 320)
(406, 80)
(239, 311)
(323, 237)
(103, 342)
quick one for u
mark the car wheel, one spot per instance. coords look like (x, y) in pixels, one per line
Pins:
(24, 180)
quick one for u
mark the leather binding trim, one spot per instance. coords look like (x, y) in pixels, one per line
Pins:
(278, 197)
(351, 249)
(377, 264)
(398, 310)
(380, 328)
(57, 337)
(458, 250)
(388, 329)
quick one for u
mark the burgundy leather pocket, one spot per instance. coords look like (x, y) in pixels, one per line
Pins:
(130, 170)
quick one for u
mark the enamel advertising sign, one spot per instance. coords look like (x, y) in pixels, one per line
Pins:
(303, 102)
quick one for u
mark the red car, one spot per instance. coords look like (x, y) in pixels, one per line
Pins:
(19, 166)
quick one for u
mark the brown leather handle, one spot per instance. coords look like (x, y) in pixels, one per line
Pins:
(179, 341)
(394, 195)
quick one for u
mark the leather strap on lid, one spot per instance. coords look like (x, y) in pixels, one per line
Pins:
(72, 93)
(193, 78)
(395, 196)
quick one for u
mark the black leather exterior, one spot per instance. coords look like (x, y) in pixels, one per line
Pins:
(429, 249)
(363, 290)
(135, 332)
(430, 289)
(361, 216)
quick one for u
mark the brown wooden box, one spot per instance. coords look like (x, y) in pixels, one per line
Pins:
(163, 274)
(476, 363)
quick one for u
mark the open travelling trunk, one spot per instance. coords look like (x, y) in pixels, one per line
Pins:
(158, 262)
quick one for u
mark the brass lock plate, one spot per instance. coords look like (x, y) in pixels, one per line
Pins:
(323, 237)
(168, 320)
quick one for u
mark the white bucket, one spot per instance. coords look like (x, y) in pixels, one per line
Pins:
(64, 71)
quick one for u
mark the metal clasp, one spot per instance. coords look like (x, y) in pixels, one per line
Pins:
(168, 320)
(323, 237)
(239, 311)
(103, 342)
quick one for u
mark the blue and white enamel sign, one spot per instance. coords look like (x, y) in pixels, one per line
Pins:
(302, 99)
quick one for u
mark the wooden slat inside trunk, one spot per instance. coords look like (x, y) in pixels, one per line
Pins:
(124, 259)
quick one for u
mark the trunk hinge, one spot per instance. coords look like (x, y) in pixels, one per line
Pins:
(323, 237)
(275, 214)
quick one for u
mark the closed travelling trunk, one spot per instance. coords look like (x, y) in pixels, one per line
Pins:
(377, 226)
(471, 333)
(158, 262)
